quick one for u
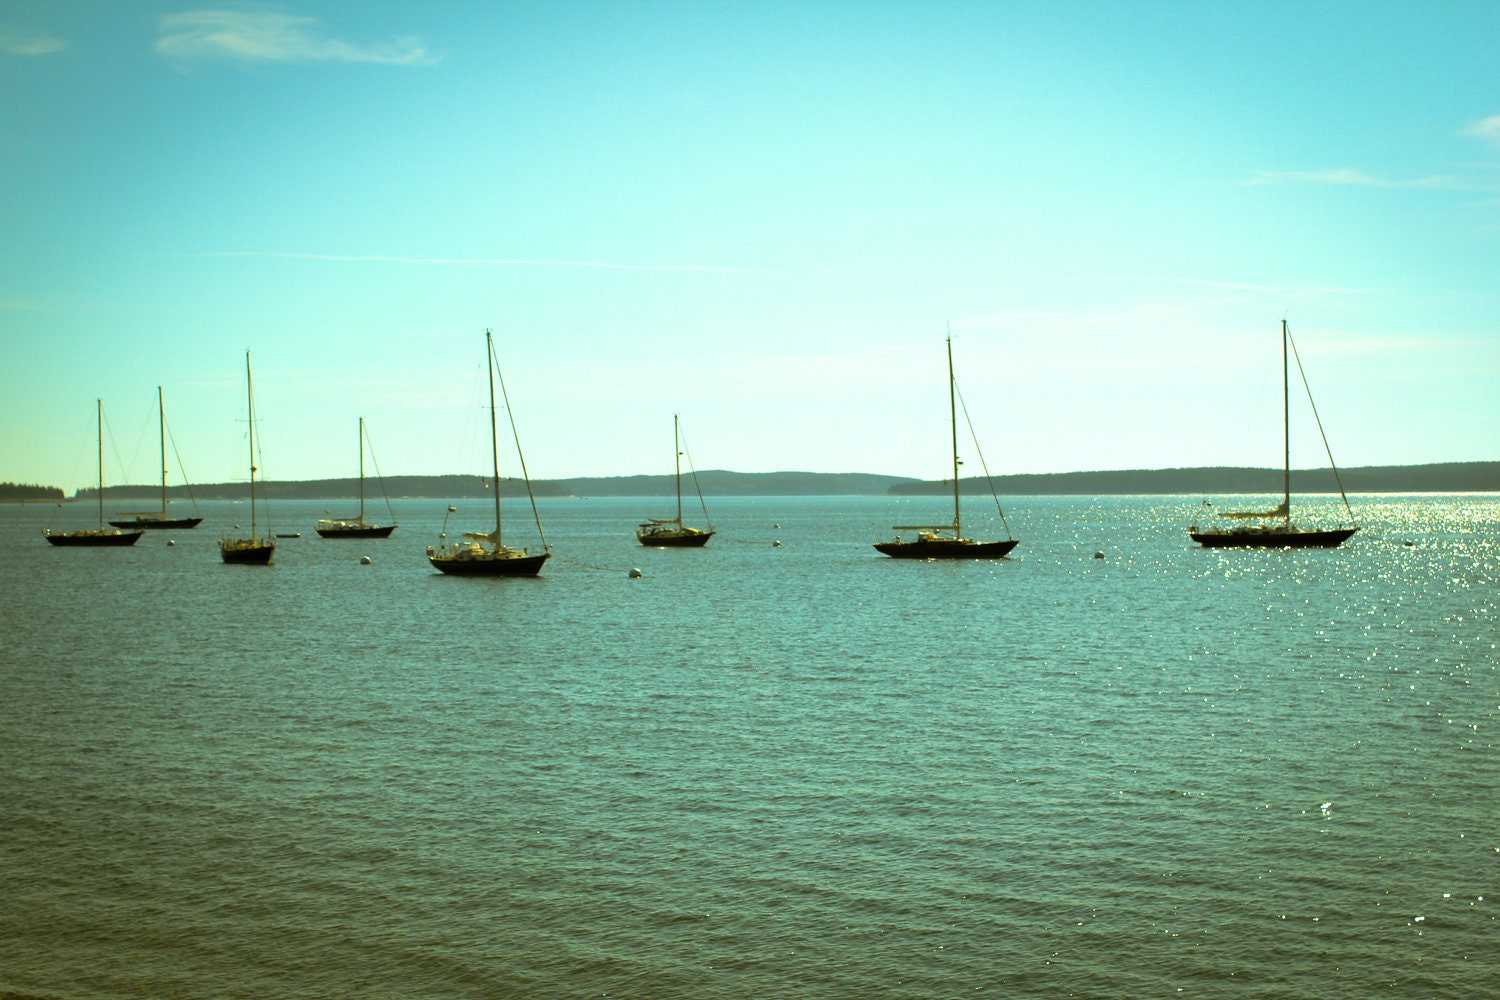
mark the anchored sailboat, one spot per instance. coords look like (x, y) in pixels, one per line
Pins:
(358, 527)
(100, 535)
(254, 550)
(670, 532)
(946, 541)
(159, 519)
(1277, 529)
(484, 553)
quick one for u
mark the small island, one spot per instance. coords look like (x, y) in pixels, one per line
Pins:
(29, 493)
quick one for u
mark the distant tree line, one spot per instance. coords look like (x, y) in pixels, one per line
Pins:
(1454, 477)
(26, 492)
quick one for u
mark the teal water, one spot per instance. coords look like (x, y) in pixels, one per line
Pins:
(768, 771)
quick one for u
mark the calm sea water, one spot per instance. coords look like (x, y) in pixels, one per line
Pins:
(764, 771)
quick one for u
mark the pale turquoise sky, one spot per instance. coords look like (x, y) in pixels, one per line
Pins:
(762, 216)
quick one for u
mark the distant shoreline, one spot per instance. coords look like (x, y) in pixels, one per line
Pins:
(1453, 477)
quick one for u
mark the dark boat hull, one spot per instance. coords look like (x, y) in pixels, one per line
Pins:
(357, 531)
(244, 554)
(95, 539)
(1273, 538)
(675, 539)
(947, 548)
(159, 523)
(507, 566)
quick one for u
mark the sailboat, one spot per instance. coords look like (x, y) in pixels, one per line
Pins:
(670, 532)
(255, 550)
(1276, 529)
(357, 527)
(484, 553)
(159, 519)
(946, 541)
(100, 535)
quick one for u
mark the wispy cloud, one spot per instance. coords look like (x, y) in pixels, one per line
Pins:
(1349, 177)
(272, 36)
(24, 42)
(470, 261)
(1487, 129)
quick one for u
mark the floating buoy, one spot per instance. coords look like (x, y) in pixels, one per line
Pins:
(364, 560)
(171, 541)
(1408, 543)
(776, 544)
(635, 573)
(1098, 555)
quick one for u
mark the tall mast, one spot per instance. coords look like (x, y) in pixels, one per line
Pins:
(489, 362)
(953, 423)
(100, 421)
(677, 457)
(1286, 432)
(161, 411)
(250, 408)
(361, 470)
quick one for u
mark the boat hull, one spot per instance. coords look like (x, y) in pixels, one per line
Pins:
(355, 530)
(159, 523)
(686, 538)
(947, 548)
(246, 552)
(489, 565)
(90, 537)
(1273, 538)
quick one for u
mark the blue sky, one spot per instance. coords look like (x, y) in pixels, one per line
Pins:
(764, 217)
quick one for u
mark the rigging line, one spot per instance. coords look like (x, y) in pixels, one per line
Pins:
(520, 455)
(1336, 477)
(116, 448)
(694, 473)
(980, 452)
(182, 469)
(376, 462)
(260, 467)
(140, 443)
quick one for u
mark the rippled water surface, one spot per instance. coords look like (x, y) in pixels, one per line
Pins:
(760, 770)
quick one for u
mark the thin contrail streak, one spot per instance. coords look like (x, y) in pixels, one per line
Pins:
(392, 259)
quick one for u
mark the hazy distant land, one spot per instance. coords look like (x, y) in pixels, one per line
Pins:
(1453, 477)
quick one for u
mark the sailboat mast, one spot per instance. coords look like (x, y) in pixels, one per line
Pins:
(1286, 432)
(361, 470)
(953, 424)
(677, 458)
(161, 412)
(250, 409)
(100, 420)
(489, 361)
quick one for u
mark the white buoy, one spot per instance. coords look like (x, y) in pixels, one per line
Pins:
(364, 560)
(635, 573)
